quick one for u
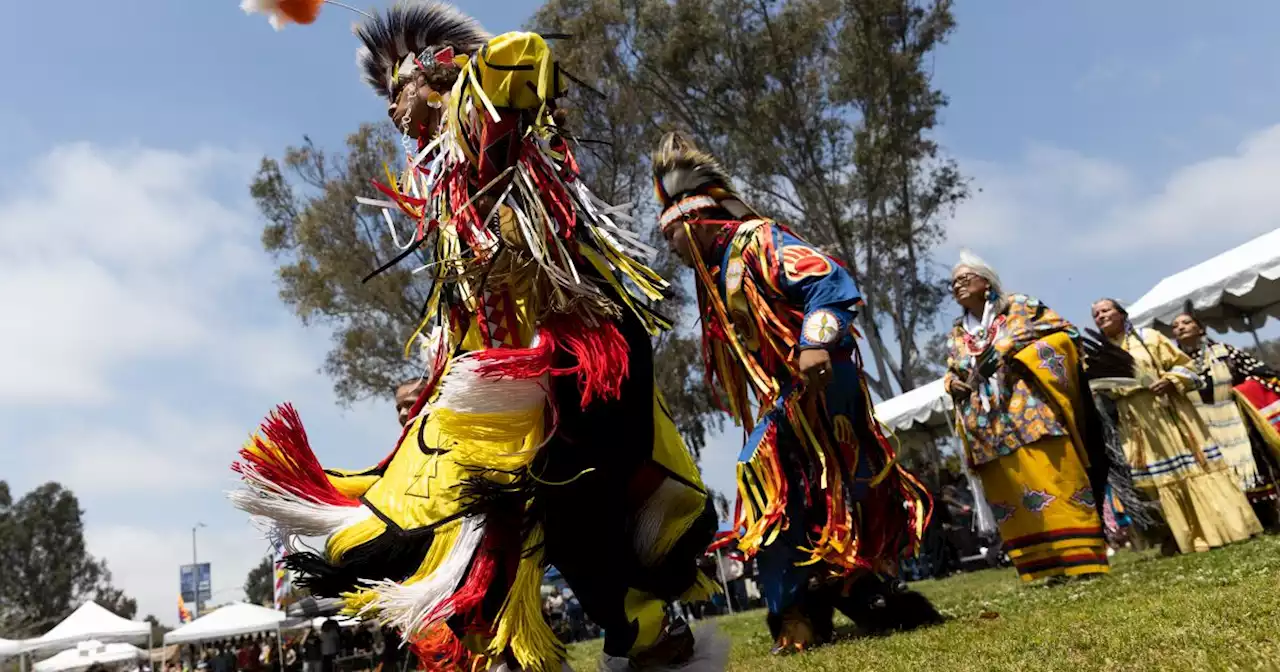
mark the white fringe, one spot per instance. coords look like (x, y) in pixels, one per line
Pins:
(406, 606)
(465, 389)
(284, 516)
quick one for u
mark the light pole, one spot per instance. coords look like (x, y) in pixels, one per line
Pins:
(195, 567)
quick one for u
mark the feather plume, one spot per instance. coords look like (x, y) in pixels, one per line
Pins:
(409, 27)
(680, 168)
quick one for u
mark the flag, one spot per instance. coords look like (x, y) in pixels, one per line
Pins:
(184, 616)
(280, 577)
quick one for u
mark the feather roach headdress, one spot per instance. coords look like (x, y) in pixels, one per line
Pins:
(681, 169)
(396, 41)
(688, 179)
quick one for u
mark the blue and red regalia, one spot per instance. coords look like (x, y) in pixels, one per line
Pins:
(822, 505)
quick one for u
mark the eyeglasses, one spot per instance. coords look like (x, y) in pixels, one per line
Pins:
(963, 279)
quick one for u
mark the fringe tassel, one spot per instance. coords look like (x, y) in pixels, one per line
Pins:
(703, 589)
(439, 649)
(666, 515)
(285, 488)
(1143, 514)
(415, 605)
(520, 624)
(477, 579)
(601, 353)
(762, 493)
(279, 461)
(496, 381)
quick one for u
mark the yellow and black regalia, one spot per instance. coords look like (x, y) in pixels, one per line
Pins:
(540, 438)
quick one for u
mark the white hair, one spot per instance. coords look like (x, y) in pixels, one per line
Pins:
(979, 267)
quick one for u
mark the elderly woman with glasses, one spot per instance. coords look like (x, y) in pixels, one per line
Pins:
(1028, 425)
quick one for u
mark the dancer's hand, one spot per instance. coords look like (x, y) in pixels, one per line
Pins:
(959, 391)
(1164, 386)
(815, 366)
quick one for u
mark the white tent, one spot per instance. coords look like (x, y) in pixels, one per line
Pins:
(90, 653)
(1236, 290)
(9, 647)
(229, 621)
(921, 416)
(928, 405)
(89, 622)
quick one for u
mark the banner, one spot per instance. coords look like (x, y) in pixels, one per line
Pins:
(193, 577)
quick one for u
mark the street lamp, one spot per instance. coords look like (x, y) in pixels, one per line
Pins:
(195, 566)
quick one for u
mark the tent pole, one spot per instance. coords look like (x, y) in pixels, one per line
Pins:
(1253, 331)
(728, 600)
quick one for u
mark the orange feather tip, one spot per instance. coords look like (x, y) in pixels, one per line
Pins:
(281, 12)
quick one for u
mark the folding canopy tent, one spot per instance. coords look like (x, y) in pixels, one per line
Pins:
(927, 405)
(86, 654)
(229, 621)
(89, 622)
(918, 418)
(9, 647)
(1234, 291)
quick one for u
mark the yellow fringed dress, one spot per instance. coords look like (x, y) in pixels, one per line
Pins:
(1171, 453)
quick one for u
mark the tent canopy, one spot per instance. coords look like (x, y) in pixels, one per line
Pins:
(229, 621)
(1224, 290)
(928, 405)
(9, 647)
(89, 622)
(86, 654)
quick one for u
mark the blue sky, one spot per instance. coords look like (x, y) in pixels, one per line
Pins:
(1113, 143)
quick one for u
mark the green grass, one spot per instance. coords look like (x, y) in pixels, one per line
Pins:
(1211, 611)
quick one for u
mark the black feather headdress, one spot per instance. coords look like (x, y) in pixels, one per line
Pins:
(409, 28)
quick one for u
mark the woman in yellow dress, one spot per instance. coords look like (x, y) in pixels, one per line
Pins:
(1250, 445)
(1174, 460)
(1028, 425)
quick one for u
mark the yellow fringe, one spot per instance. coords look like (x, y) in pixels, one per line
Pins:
(520, 625)
(702, 590)
(350, 537)
(441, 545)
(680, 515)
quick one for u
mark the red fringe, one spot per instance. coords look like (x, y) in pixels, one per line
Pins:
(293, 466)
(517, 363)
(601, 353)
(554, 197)
(468, 596)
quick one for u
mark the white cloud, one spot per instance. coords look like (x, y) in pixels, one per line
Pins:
(107, 257)
(159, 453)
(1083, 208)
(142, 342)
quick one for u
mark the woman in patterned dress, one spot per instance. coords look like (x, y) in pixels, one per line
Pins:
(1023, 411)
(1250, 445)
(1174, 459)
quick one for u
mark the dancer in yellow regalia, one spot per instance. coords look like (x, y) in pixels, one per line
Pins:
(539, 437)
